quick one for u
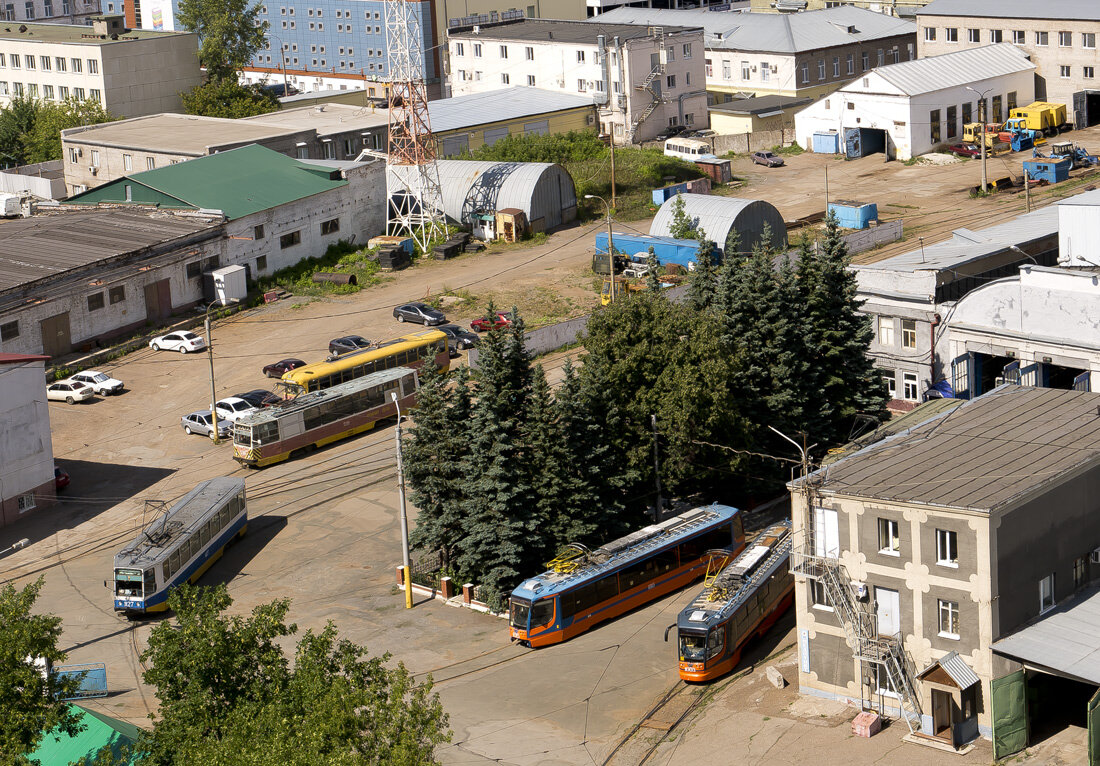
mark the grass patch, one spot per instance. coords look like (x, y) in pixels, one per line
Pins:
(789, 151)
(453, 300)
(341, 258)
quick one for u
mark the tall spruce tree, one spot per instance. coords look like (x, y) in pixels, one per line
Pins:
(732, 246)
(652, 275)
(703, 281)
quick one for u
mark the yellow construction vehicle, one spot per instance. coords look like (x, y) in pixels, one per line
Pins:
(627, 286)
(1043, 116)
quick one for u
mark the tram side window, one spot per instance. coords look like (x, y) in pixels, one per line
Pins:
(150, 581)
(265, 433)
(692, 549)
(587, 596)
(644, 571)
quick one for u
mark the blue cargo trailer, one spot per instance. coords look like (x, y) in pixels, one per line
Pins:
(854, 215)
(636, 247)
(1049, 169)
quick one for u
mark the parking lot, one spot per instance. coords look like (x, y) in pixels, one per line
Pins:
(324, 528)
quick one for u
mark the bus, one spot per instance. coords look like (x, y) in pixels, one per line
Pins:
(742, 601)
(689, 149)
(406, 351)
(179, 546)
(302, 424)
(585, 587)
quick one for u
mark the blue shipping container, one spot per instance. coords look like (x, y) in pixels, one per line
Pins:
(854, 215)
(667, 249)
(1049, 170)
(665, 193)
(826, 143)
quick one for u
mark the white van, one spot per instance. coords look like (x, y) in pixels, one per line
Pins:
(689, 149)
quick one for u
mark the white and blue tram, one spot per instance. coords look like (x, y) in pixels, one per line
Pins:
(179, 546)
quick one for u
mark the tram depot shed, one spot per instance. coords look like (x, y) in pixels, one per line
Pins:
(717, 215)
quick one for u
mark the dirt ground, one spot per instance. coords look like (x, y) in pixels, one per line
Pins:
(324, 529)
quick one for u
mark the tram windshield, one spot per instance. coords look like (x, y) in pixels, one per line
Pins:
(520, 610)
(128, 583)
(542, 613)
(693, 647)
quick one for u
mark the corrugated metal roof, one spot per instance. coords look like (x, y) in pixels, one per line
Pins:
(74, 34)
(461, 112)
(760, 104)
(175, 133)
(542, 190)
(1065, 640)
(238, 182)
(952, 70)
(99, 731)
(717, 215)
(1090, 199)
(772, 32)
(956, 668)
(1088, 10)
(922, 412)
(966, 245)
(49, 244)
(980, 456)
(561, 31)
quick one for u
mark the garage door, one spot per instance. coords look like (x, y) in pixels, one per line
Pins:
(492, 135)
(539, 127)
(1009, 714)
(455, 145)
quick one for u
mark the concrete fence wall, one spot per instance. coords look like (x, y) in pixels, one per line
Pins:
(861, 241)
(741, 143)
(43, 180)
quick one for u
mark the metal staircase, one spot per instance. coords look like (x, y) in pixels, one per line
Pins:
(860, 623)
(647, 84)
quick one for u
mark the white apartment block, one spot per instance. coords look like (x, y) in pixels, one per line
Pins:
(1059, 36)
(130, 72)
(643, 79)
(52, 11)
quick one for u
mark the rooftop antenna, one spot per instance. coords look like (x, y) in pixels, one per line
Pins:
(921, 240)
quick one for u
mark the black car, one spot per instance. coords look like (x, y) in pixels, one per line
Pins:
(419, 312)
(671, 131)
(260, 397)
(277, 369)
(459, 338)
(347, 343)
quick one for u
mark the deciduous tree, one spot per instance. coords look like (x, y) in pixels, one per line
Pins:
(229, 99)
(230, 32)
(681, 226)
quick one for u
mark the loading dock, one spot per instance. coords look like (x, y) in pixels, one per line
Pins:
(1086, 108)
(862, 142)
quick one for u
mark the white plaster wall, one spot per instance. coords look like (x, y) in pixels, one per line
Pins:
(26, 453)
(1079, 235)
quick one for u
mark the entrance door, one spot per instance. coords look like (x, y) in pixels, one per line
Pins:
(158, 301)
(1009, 706)
(888, 611)
(56, 335)
(1093, 717)
(826, 533)
(941, 714)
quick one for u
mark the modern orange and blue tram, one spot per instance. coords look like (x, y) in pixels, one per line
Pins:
(582, 587)
(739, 602)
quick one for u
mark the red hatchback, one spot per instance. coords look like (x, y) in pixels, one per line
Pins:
(497, 322)
(277, 369)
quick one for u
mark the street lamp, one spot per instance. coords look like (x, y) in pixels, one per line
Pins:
(406, 565)
(282, 57)
(17, 545)
(610, 246)
(981, 121)
(210, 353)
(1025, 255)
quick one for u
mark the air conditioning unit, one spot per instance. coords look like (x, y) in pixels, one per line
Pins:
(79, 152)
(1094, 557)
(93, 170)
(774, 68)
(754, 69)
(591, 84)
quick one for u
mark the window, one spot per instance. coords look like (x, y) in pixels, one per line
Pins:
(26, 502)
(805, 72)
(72, 156)
(261, 263)
(746, 70)
(886, 331)
(460, 49)
(929, 34)
(881, 59)
(127, 162)
(1080, 572)
(765, 71)
(9, 331)
(670, 81)
(949, 619)
(1046, 593)
(29, 9)
(290, 240)
(819, 599)
(973, 35)
(1088, 72)
(117, 294)
(47, 92)
(947, 548)
(1063, 72)
(28, 61)
(851, 62)
(258, 232)
(95, 158)
(531, 80)
(3, 62)
(529, 53)
(865, 61)
(670, 53)
(967, 113)
(996, 36)
(687, 50)
(890, 378)
(504, 51)
(15, 60)
(1088, 40)
(934, 126)
(78, 94)
(17, 89)
(908, 333)
(836, 66)
(996, 116)
(952, 121)
(330, 227)
(581, 85)
(93, 66)
(44, 61)
(1018, 36)
(32, 89)
(889, 541)
(328, 150)
(1042, 38)
(951, 34)
(95, 301)
(580, 57)
(150, 163)
(1065, 39)
(909, 387)
(821, 69)
(477, 50)
(1011, 100)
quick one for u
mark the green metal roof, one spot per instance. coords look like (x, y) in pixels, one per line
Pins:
(99, 731)
(238, 182)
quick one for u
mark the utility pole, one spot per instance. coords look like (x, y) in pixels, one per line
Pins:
(213, 394)
(826, 187)
(656, 468)
(985, 176)
(612, 137)
(610, 244)
(1027, 191)
(406, 564)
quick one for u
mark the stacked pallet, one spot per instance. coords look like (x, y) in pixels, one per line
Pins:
(394, 259)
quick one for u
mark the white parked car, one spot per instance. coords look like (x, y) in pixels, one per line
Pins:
(181, 340)
(69, 390)
(199, 423)
(101, 383)
(233, 408)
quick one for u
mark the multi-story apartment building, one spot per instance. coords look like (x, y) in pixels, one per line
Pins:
(805, 54)
(130, 72)
(923, 562)
(51, 11)
(1059, 36)
(643, 79)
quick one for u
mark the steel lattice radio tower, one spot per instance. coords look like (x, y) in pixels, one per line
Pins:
(412, 177)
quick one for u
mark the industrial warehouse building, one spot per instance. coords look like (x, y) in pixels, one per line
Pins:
(26, 452)
(542, 190)
(908, 109)
(717, 215)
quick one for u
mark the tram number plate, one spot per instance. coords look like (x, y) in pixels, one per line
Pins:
(129, 604)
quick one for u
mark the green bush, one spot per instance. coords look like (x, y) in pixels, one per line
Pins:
(342, 257)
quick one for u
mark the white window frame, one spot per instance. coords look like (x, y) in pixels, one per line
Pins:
(930, 34)
(1019, 37)
(1047, 601)
(1088, 40)
(1042, 39)
(1064, 72)
(26, 502)
(1065, 39)
(909, 333)
(886, 331)
(947, 548)
(889, 537)
(973, 35)
(909, 385)
(950, 611)
(950, 34)
(1088, 72)
(890, 378)
(819, 598)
